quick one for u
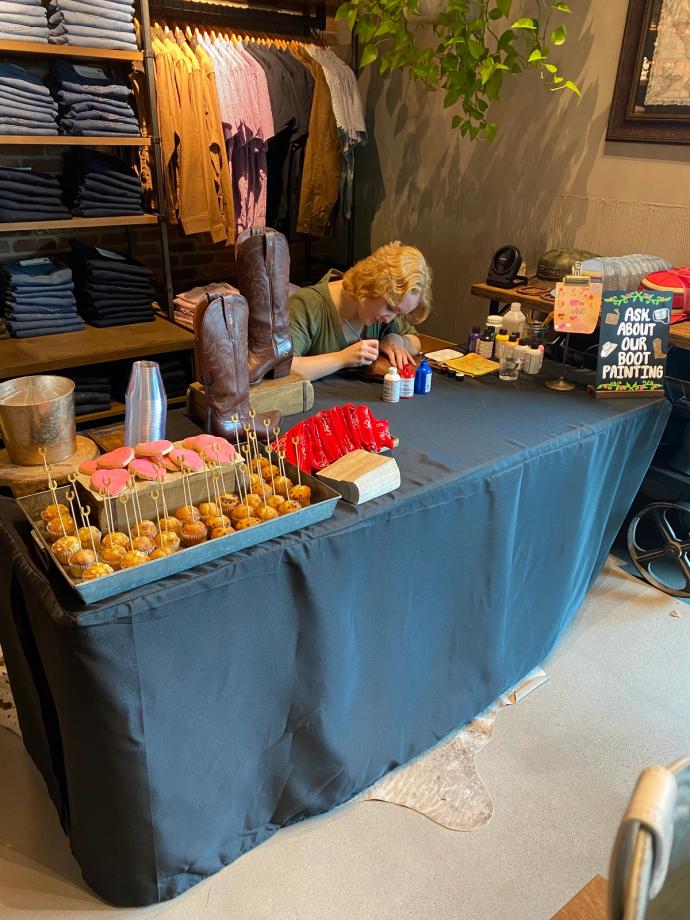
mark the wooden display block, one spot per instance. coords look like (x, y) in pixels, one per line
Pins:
(291, 395)
(360, 476)
(25, 480)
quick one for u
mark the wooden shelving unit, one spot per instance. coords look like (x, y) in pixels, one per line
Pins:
(48, 353)
(65, 140)
(79, 223)
(72, 51)
(118, 408)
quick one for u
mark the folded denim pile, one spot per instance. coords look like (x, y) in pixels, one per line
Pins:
(185, 304)
(112, 289)
(38, 298)
(23, 20)
(26, 106)
(99, 185)
(92, 392)
(92, 102)
(29, 195)
(96, 23)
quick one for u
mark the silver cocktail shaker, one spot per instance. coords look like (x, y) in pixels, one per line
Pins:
(146, 404)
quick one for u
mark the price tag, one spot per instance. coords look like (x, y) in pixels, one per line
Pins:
(577, 307)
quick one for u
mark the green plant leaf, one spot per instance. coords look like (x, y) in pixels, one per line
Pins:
(562, 7)
(386, 28)
(486, 69)
(351, 17)
(342, 11)
(456, 122)
(551, 68)
(451, 98)
(476, 48)
(506, 40)
(490, 130)
(504, 6)
(559, 35)
(369, 55)
(524, 23)
(495, 14)
(535, 56)
(573, 87)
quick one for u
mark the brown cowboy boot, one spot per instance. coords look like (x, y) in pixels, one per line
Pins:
(220, 329)
(262, 257)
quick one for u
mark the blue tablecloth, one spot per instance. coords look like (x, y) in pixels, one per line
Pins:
(181, 724)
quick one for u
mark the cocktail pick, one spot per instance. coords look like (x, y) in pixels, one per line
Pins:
(52, 485)
(70, 495)
(186, 483)
(138, 518)
(269, 451)
(235, 419)
(208, 484)
(85, 512)
(215, 476)
(123, 498)
(44, 456)
(276, 432)
(246, 450)
(106, 507)
(267, 425)
(295, 441)
(155, 495)
(160, 481)
(219, 465)
(281, 464)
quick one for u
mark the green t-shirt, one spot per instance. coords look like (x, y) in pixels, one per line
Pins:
(315, 325)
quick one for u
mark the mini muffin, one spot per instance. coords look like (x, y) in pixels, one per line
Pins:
(257, 464)
(266, 513)
(275, 501)
(116, 538)
(188, 514)
(208, 509)
(65, 547)
(167, 540)
(145, 529)
(282, 485)
(60, 527)
(221, 532)
(301, 494)
(239, 514)
(85, 535)
(143, 545)
(220, 520)
(113, 556)
(133, 558)
(172, 524)
(193, 533)
(97, 570)
(270, 470)
(161, 553)
(80, 561)
(254, 479)
(289, 506)
(263, 490)
(247, 522)
(53, 511)
(253, 500)
(228, 501)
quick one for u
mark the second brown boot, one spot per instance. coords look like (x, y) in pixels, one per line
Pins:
(262, 257)
(220, 329)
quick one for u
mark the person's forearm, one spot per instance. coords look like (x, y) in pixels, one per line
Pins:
(412, 344)
(314, 367)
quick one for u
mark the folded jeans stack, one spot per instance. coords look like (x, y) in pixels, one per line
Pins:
(185, 304)
(99, 185)
(29, 195)
(112, 289)
(96, 23)
(92, 103)
(38, 298)
(26, 106)
(92, 392)
(24, 21)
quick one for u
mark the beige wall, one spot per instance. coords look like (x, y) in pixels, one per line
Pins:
(548, 180)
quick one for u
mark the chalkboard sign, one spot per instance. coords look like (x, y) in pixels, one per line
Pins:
(633, 341)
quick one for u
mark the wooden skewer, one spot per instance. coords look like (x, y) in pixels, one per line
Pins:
(287, 490)
(163, 499)
(295, 441)
(208, 486)
(276, 432)
(70, 495)
(235, 419)
(135, 500)
(155, 495)
(85, 514)
(124, 499)
(270, 463)
(216, 451)
(104, 497)
(215, 476)
(52, 485)
(247, 453)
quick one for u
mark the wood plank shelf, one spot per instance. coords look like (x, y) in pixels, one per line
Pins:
(47, 353)
(66, 140)
(72, 51)
(118, 408)
(78, 223)
(509, 295)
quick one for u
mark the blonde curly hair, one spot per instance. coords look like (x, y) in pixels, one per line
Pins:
(391, 272)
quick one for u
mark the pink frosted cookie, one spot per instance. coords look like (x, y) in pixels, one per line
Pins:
(144, 468)
(116, 459)
(165, 461)
(88, 467)
(221, 450)
(197, 441)
(153, 448)
(115, 481)
(186, 458)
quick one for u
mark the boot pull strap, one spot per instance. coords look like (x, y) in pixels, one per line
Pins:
(270, 250)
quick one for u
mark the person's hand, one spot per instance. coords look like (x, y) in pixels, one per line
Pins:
(361, 353)
(392, 346)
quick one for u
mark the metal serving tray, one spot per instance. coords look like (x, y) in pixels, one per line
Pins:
(324, 500)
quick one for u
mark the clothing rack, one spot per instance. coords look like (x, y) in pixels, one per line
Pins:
(255, 19)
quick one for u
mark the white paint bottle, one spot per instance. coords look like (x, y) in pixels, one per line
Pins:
(391, 386)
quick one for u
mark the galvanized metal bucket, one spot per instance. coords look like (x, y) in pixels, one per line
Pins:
(38, 412)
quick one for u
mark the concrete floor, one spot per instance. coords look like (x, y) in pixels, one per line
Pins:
(560, 768)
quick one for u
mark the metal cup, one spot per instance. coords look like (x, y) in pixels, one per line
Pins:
(38, 412)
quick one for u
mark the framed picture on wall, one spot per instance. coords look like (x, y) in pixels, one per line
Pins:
(651, 98)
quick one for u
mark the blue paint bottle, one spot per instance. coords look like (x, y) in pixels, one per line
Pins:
(422, 379)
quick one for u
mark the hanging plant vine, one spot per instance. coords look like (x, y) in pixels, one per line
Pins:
(474, 49)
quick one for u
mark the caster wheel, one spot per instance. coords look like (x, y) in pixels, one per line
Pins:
(659, 546)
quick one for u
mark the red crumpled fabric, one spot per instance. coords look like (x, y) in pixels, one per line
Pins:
(332, 433)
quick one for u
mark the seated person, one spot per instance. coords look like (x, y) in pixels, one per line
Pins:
(349, 320)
